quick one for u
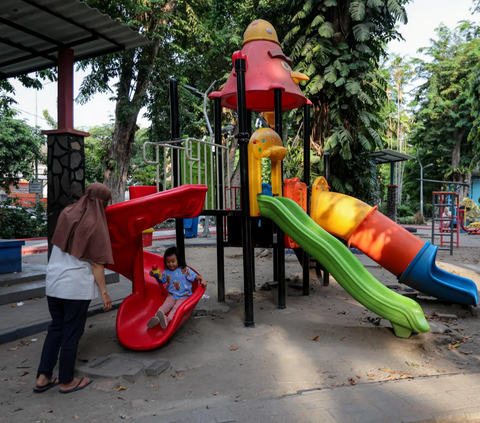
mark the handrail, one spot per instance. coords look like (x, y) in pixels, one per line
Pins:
(209, 155)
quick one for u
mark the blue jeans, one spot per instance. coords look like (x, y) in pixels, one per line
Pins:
(64, 333)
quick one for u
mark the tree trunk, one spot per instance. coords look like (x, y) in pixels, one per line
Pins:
(129, 102)
(456, 156)
(119, 155)
(235, 178)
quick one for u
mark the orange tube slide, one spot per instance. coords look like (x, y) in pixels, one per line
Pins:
(364, 227)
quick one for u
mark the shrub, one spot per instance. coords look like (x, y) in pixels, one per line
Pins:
(403, 211)
(16, 222)
(408, 220)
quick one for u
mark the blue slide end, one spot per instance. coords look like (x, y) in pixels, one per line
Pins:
(424, 275)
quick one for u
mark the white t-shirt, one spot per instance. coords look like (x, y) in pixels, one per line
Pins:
(69, 277)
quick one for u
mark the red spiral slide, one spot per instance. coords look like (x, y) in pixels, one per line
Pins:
(126, 222)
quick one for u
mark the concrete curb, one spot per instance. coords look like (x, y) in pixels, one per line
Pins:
(34, 250)
(30, 329)
(44, 248)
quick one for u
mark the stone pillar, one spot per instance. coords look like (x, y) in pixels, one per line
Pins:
(392, 202)
(66, 173)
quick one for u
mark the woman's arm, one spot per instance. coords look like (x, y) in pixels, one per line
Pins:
(99, 274)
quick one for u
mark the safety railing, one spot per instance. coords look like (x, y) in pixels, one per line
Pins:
(197, 162)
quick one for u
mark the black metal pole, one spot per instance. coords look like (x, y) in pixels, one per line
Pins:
(282, 290)
(243, 139)
(217, 114)
(306, 179)
(176, 165)
(326, 171)
(249, 130)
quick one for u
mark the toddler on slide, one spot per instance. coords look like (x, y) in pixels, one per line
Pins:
(178, 278)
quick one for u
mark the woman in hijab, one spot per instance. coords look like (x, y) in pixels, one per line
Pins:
(75, 275)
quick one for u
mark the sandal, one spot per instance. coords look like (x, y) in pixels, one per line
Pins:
(46, 387)
(77, 388)
(154, 321)
(162, 319)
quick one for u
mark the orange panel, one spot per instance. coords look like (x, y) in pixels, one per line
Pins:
(297, 191)
(390, 245)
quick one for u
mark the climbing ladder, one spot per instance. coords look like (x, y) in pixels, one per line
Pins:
(447, 233)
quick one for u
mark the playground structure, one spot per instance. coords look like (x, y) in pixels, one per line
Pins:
(445, 211)
(262, 81)
(473, 231)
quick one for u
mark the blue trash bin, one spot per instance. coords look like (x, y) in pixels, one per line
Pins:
(191, 227)
(11, 255)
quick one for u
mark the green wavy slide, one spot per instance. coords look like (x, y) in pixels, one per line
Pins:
(405, 315)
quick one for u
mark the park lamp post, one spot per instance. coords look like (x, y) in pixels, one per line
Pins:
(421, 177)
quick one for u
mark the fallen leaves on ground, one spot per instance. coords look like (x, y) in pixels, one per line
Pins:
(23, 374)
(352, 381)
(394, 372)
(20, 345)
(343, 312)
(409, 363)
(121, 388)
(314, 339)
(48, 411)
(233, 348)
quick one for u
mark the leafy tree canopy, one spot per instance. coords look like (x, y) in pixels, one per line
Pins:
(339, 44)
(443, 103)
(19, 148)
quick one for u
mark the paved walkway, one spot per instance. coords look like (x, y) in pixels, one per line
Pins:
(450, 398)
(40, 245)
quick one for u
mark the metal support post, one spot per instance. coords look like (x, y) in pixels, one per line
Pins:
(306, 179)
(176, 165)
(282, 290)
(217, 112)
(249, 130)
(243, 139)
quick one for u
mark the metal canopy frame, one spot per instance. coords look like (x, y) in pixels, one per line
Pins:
(389, 156)
(34, 31)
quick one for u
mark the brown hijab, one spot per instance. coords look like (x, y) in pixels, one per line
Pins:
(82, 229)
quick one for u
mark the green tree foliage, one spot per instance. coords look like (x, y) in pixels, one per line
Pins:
(18, 222)
(7, 91)
(19, 148)
(339, 44)
(191, 41)
(443, 117)
(97, 146)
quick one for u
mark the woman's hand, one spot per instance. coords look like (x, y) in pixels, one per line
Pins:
(107, 302)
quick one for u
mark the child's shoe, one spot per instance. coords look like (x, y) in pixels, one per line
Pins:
(162, 319)
(154, 321)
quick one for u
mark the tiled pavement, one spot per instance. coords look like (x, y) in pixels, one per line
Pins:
(449, 398)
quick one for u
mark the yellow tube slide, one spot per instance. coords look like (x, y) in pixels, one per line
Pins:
(338, 214)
